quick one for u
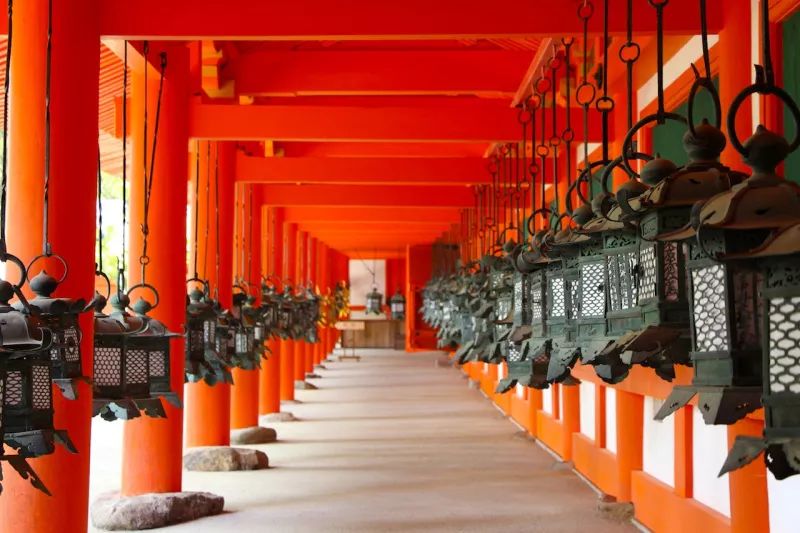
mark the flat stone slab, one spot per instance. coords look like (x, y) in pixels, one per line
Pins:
(611, 509)
(110, 512)
(311, 375)
(253, 435)
(443, 362)
(320, 367)
(304, 385)
(224, 459)
(278, 417)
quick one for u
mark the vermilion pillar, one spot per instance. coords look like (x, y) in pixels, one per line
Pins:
(208, 407)
(311, 258)
(74, 107)
(736, 71)
(244, 392)
(152, 447)
(300, 279)
(287, 346)
(269, 400)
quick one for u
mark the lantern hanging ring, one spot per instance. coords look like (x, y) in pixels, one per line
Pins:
(152, 289)
(42, 257)
(100, 274)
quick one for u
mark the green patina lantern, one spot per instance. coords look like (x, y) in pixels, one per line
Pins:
(501, 285)
(247, 351)
(26, 415)
(397, 306)
(374, 304)
(205, 339)
(147, 340)
(60, 316)
(269, 307)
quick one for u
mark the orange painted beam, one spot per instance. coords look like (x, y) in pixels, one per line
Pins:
(367, 20)
(488, 73)
(382, 149)
(357, 170)
(473, 120)
(345, 227)
(396, 215)
(367, 196)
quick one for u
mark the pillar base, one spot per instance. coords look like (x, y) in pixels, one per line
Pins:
(224, 459)
(311, 375)
(304, 385)
(110, 512)
(278, 417)
(253, 435)
(320, 367)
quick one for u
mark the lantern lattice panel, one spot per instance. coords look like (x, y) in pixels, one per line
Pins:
(209, 331)
(671, 272)
(14, 392)
(593, 296)
(514, 353)
(41, 387)
(107, 363)
(784, 345)
(622, 289)
(748, 310)
(157, 366)
(710, 319)
(537, 303)
(503, 307)
(573, 290)
(67, 345)
(136, 367)
(647, 269)
(557, 301)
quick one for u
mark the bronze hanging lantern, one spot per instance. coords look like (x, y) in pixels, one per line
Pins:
(27, 409)
(203, 361)
(374, 302)
(269, 307)
(397, 305)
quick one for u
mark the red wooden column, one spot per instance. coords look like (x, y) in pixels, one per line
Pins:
(244, 392)
(152, 448)
(287, 346)
(311, 276)
(269, 400)
(630, 410)
(323, 284)
(300, 279)
(74, 105)
(208, 408)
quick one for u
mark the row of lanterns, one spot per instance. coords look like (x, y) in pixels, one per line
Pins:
(40, 339)
(696, 265)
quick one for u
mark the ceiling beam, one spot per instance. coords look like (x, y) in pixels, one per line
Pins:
(395, 215)
(472, 120)
(488, 73)
(359, 170)
(370, 20)
(367, 196)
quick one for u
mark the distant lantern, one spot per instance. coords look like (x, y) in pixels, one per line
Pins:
(60, 316)
(203, 360)
(397, 305)
(374, 302)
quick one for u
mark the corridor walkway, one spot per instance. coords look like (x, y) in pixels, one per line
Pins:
(393, 443)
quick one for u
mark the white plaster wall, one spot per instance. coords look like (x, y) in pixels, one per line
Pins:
(611, 419)
(659, 443)
(560, 401)
(677, 65)
(547, 401)
(784, 504)
(501, 372)
(587, 409)
(361, 279)
(709, 448)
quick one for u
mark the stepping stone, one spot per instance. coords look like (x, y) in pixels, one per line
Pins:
(311, 375)
(224, 459)
(472, 384)
(253, 435)
(304, 385)
(610, 508)
(110, 512)
(278, 417)
(320, 367)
